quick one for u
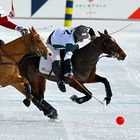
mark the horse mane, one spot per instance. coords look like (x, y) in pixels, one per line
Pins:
(17, 40)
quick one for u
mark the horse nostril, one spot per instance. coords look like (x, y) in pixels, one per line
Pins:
(50, 54)
(123, 55)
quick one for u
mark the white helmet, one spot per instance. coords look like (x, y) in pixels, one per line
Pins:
(2, 11)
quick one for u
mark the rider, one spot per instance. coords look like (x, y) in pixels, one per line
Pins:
(66, 39)
(8, 24)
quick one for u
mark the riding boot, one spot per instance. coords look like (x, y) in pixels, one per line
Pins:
(67, 68)
(1, 42)
(59, 75)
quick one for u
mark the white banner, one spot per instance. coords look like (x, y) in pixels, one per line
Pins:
(82, 9)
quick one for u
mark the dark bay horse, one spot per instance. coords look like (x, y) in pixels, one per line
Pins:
(11, 53)
(84, 62)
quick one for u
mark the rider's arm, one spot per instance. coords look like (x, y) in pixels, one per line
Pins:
(8, 24)
(69, 49)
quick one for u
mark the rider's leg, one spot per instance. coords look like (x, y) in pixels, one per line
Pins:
(67, 64)
(59, 75)
(57, 67)
(67, 68)
(1, 42)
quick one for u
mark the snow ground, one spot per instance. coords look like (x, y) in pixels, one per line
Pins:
(88, 121)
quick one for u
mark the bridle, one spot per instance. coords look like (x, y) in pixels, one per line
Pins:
(34, 47)
(112, 52)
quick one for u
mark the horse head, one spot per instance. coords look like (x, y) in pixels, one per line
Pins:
(111, 47)
(38, 44)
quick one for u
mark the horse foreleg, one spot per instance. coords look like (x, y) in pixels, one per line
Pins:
(81, 88)
(96, 78)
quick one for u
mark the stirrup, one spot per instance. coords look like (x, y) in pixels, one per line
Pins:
(61, 86)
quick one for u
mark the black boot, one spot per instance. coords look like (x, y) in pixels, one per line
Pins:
(59, 75)
(1, 42)
(67, 68)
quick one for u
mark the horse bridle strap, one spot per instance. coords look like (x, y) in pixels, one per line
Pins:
(8, 63)
(13, 54)
(33, 44)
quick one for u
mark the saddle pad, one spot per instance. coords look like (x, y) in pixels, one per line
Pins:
(45, 66)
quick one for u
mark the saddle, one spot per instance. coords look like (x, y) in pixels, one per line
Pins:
(45, 66)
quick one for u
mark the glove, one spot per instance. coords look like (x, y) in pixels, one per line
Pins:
(11, 14)
(22, 30)
(91, 32)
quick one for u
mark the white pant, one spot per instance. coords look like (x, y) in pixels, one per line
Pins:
(56, 53)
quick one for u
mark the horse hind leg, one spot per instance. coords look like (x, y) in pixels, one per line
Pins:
(81, 88)
(47, 109)
(28, 95)
(80, 100)
(25, 90)
(38, 90)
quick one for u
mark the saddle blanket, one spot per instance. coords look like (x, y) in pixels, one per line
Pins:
(45, 66)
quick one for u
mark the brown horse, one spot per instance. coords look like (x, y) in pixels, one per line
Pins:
(12, 52)
(84, 62)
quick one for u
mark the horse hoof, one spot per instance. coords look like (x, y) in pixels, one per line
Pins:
(26, 102)
(51, 113)
(74, 98)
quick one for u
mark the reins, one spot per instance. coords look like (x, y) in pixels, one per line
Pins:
(11, 63)
(101, 56)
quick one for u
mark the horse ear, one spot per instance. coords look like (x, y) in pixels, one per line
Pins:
(33, 29)
(30, 30)
(105, 32)
(101, 34)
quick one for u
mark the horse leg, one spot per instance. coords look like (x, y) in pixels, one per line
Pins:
(38, 89)
(96, 78)
(47, 109)
(107, 87)
(81, 88)
(25, 90)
